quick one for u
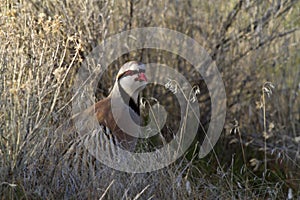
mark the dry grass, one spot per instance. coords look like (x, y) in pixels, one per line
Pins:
(254, 43)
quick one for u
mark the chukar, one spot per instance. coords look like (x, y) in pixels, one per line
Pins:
(130, 80)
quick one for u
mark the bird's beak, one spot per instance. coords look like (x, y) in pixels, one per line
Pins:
(141, 77)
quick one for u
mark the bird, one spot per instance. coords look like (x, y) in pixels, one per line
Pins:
(76, 147)
(129, 82)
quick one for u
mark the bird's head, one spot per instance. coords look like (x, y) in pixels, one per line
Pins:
(131, 77)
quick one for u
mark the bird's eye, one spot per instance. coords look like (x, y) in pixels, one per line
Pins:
(131, 72)
(128, 73)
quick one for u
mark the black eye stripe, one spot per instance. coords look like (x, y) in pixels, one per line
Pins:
(134, 72)
(131, 72)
